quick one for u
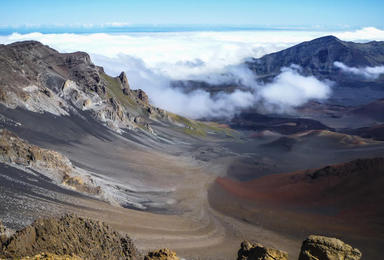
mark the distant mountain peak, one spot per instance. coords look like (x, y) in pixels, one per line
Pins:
(317, 57)
(326, 38)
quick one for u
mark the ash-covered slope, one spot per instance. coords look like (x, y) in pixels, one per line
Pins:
(69, 129)
(317, 58)
(343, 194)
(340, 199)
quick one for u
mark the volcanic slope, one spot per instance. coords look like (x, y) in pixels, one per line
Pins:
(151, 169)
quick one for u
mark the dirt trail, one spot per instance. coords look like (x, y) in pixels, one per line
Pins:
(197, 231)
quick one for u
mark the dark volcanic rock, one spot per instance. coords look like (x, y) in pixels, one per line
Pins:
(325, 248)
(255, 251)
(69, 235)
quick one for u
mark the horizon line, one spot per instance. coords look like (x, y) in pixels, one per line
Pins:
(153, 28)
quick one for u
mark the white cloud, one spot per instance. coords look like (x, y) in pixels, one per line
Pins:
(290, 89)
(115, 24)
(287, 91)
(153, 60)
(371, 73)
(364, 34)
(196, 104)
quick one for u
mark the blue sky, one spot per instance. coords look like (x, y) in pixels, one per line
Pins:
(264, 13)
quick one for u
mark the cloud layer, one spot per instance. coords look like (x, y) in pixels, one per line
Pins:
(290, 89)
(153, 60)
(361, 35)
(371, 73)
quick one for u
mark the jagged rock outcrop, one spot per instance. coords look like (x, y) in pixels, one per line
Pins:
(40, 79)
(161, 254)
(141, 95)
(124, 81)
(14, 150)
(326, 248)
(69, 235)
(256, 251)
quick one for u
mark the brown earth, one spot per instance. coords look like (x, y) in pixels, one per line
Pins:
(338, 200)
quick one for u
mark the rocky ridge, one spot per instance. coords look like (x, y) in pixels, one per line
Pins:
(40, 79)
(317, 58)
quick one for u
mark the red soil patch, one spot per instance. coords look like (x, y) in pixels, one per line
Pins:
(350, 188)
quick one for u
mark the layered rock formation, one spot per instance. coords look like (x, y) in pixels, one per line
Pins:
(69, 235)
(326, 248)
(17, 152)
(40, 79)
(256, 251)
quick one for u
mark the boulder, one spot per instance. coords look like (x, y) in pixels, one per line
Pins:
(124, 80)
(142, 96)
(69, 235)
(87, 103)
(326, 248)
(256, 251)
(161, 254)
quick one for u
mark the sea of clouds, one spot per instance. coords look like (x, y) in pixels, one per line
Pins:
(153, 61)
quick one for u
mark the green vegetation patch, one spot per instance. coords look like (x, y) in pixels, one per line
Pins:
(201, 129)
(114, 87)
